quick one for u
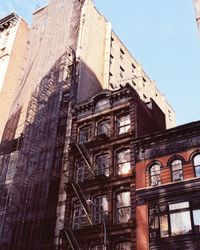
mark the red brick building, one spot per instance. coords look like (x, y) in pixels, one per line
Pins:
(168, 189)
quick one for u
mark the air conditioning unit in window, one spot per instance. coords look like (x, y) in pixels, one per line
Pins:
(154, 183)
(152, 235)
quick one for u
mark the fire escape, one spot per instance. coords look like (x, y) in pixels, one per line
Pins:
(86, 203)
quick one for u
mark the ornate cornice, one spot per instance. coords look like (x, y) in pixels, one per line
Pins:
(8, 21)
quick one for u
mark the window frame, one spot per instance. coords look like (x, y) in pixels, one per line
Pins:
(124, 125)
(89, 134)
(156, 213)
(100, 215)
(84, 175)
(152, 164)
(103, 170)
(81, 218)
(180, 170)
(122, 208)
(122, 53)
(195, 166)
(121, 71)
(179, 211)
(121, 165)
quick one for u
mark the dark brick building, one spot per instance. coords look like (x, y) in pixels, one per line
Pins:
(100, 204)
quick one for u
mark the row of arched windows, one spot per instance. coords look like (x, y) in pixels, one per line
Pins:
(122, 126)
(100, 210)
(102, 165)
(176, 164)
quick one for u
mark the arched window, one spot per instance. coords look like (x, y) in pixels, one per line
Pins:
(123, 124)
(196, 162)
(85, 134)
(177, 170)
(123, 207)
(82, 171)
(155, 175)
(103, 127)
(123, 160)
(100, 209)
(123, 246)
(102, 165)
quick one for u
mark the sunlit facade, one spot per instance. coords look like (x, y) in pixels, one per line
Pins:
(167, 189)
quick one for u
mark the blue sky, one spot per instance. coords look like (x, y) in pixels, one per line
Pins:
(162, 35)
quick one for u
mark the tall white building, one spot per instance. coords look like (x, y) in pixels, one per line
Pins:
(13, 42)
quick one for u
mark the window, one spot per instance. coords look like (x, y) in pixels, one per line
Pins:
(175, 219)
(134, 83)
(102, 165)
(102, 104)
(121, 72)
(82, 173)
(155, 175)
(177, 170)
(180, 218)
(123, 246)
(122, 54)
(123, 206)
(103, 127)
(123, 124)
(145, 97)
(196, 161)
(111, 59)
(196, 217)
(2, 51)
(123, 162)
(85, 134)
(79, 217)
(164, 229)
(133, 68)
(100, 209)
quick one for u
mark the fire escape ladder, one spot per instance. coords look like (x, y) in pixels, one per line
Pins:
(71, 239)
(86, 156)
(80, 195)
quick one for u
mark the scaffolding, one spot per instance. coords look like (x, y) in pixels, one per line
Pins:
(28, 207)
